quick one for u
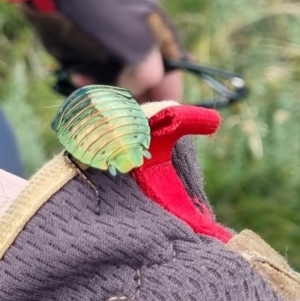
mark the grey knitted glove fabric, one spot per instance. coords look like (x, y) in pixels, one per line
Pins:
(133, 250)
(185, 162)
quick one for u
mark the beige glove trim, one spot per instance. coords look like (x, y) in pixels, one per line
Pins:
(46, 182)
(51, 178)
(268, 263)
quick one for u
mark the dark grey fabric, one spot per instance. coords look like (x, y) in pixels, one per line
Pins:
(185, 162)
(133, 250)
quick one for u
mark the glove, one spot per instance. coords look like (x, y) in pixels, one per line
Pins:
(140, 246)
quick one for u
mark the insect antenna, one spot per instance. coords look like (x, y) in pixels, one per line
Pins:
(52, 107)
(85, 177)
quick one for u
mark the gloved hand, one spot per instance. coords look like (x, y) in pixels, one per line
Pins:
(139, 247)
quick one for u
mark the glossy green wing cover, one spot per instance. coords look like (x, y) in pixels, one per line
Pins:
(103, 127)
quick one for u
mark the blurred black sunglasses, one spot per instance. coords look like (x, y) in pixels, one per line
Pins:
(209, 75)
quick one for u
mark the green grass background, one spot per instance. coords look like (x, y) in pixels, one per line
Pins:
(252, 164)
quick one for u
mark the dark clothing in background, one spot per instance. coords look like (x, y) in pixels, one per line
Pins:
(99, 38)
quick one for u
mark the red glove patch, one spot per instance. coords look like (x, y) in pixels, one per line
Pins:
(158, 179)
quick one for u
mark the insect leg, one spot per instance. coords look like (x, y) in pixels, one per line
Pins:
(89, 181)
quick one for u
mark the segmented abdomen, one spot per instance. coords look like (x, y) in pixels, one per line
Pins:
(103, 127)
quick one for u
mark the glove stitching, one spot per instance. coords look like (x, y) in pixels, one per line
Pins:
(139, 281)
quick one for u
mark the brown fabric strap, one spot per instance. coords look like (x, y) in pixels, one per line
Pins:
(164, 36)
(268, 263)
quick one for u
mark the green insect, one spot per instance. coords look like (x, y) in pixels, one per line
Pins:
(103, 127)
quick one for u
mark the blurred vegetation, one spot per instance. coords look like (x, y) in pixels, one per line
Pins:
(252, 164)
